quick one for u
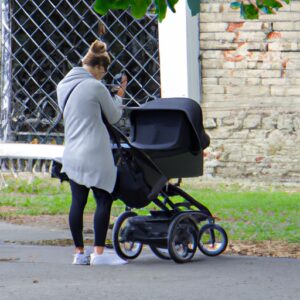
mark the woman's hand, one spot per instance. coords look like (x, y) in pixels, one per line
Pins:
(122, 86)
(119, 85)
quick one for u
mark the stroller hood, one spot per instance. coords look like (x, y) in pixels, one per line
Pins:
(164, 117)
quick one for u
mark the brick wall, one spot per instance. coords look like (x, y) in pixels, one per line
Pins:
(251, 92)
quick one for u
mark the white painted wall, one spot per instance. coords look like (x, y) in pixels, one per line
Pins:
(179, 52)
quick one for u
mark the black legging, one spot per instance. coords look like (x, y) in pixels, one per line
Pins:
(101, 216)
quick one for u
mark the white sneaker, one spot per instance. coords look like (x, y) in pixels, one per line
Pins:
(81, 259)
(88, 251)
(106, 259)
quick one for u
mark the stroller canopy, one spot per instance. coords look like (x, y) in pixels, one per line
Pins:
(169, 124)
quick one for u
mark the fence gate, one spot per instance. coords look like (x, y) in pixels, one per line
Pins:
(43, 39)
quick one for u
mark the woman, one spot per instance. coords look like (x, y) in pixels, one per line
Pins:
(87, 158)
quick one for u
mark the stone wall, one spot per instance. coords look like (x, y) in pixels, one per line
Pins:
(251, 92)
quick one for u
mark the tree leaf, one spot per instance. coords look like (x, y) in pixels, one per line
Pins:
(249, 11)
(266, 10)
(103, 6)
(194, 6)
(235, 5)
(139, 7)
(160, 9)
(271, 3)
(171, 4)
(119, 4)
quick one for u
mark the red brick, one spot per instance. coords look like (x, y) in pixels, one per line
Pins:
(233, 26)
(229, 56)
(274, 35)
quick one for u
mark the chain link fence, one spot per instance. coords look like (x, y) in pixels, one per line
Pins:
(43, 39)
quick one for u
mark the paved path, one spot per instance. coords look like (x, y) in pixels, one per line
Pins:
(44, 272)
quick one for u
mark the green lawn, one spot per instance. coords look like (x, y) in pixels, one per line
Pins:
(255, 215)
(246, 215)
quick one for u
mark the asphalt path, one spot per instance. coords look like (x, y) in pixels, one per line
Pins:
(45, 272)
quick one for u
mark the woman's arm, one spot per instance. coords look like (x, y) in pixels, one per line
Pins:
(111, 106)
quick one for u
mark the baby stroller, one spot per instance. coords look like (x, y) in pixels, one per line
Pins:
(166, 142)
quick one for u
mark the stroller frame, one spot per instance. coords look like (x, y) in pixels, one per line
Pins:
(171, 233)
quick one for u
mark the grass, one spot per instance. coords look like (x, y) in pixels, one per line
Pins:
(245, 215)
(41, 196)
(255, 215)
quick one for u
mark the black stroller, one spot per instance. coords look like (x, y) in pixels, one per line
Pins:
(167, 141)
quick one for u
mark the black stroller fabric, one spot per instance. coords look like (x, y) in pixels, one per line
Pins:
(56, 171)
(169, 124)
(139, 181)
(171, 133)
(167, 131)
(131, 187)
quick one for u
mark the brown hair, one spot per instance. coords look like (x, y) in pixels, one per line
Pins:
(97, 55)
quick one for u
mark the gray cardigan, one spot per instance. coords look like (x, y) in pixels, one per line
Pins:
(87, 157)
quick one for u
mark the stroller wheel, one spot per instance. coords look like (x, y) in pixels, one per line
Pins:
(125, 248)
(182, 239)
(213, 240)
(160, 252)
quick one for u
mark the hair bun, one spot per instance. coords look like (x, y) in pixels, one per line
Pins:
(98, 48)
(97, 55)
